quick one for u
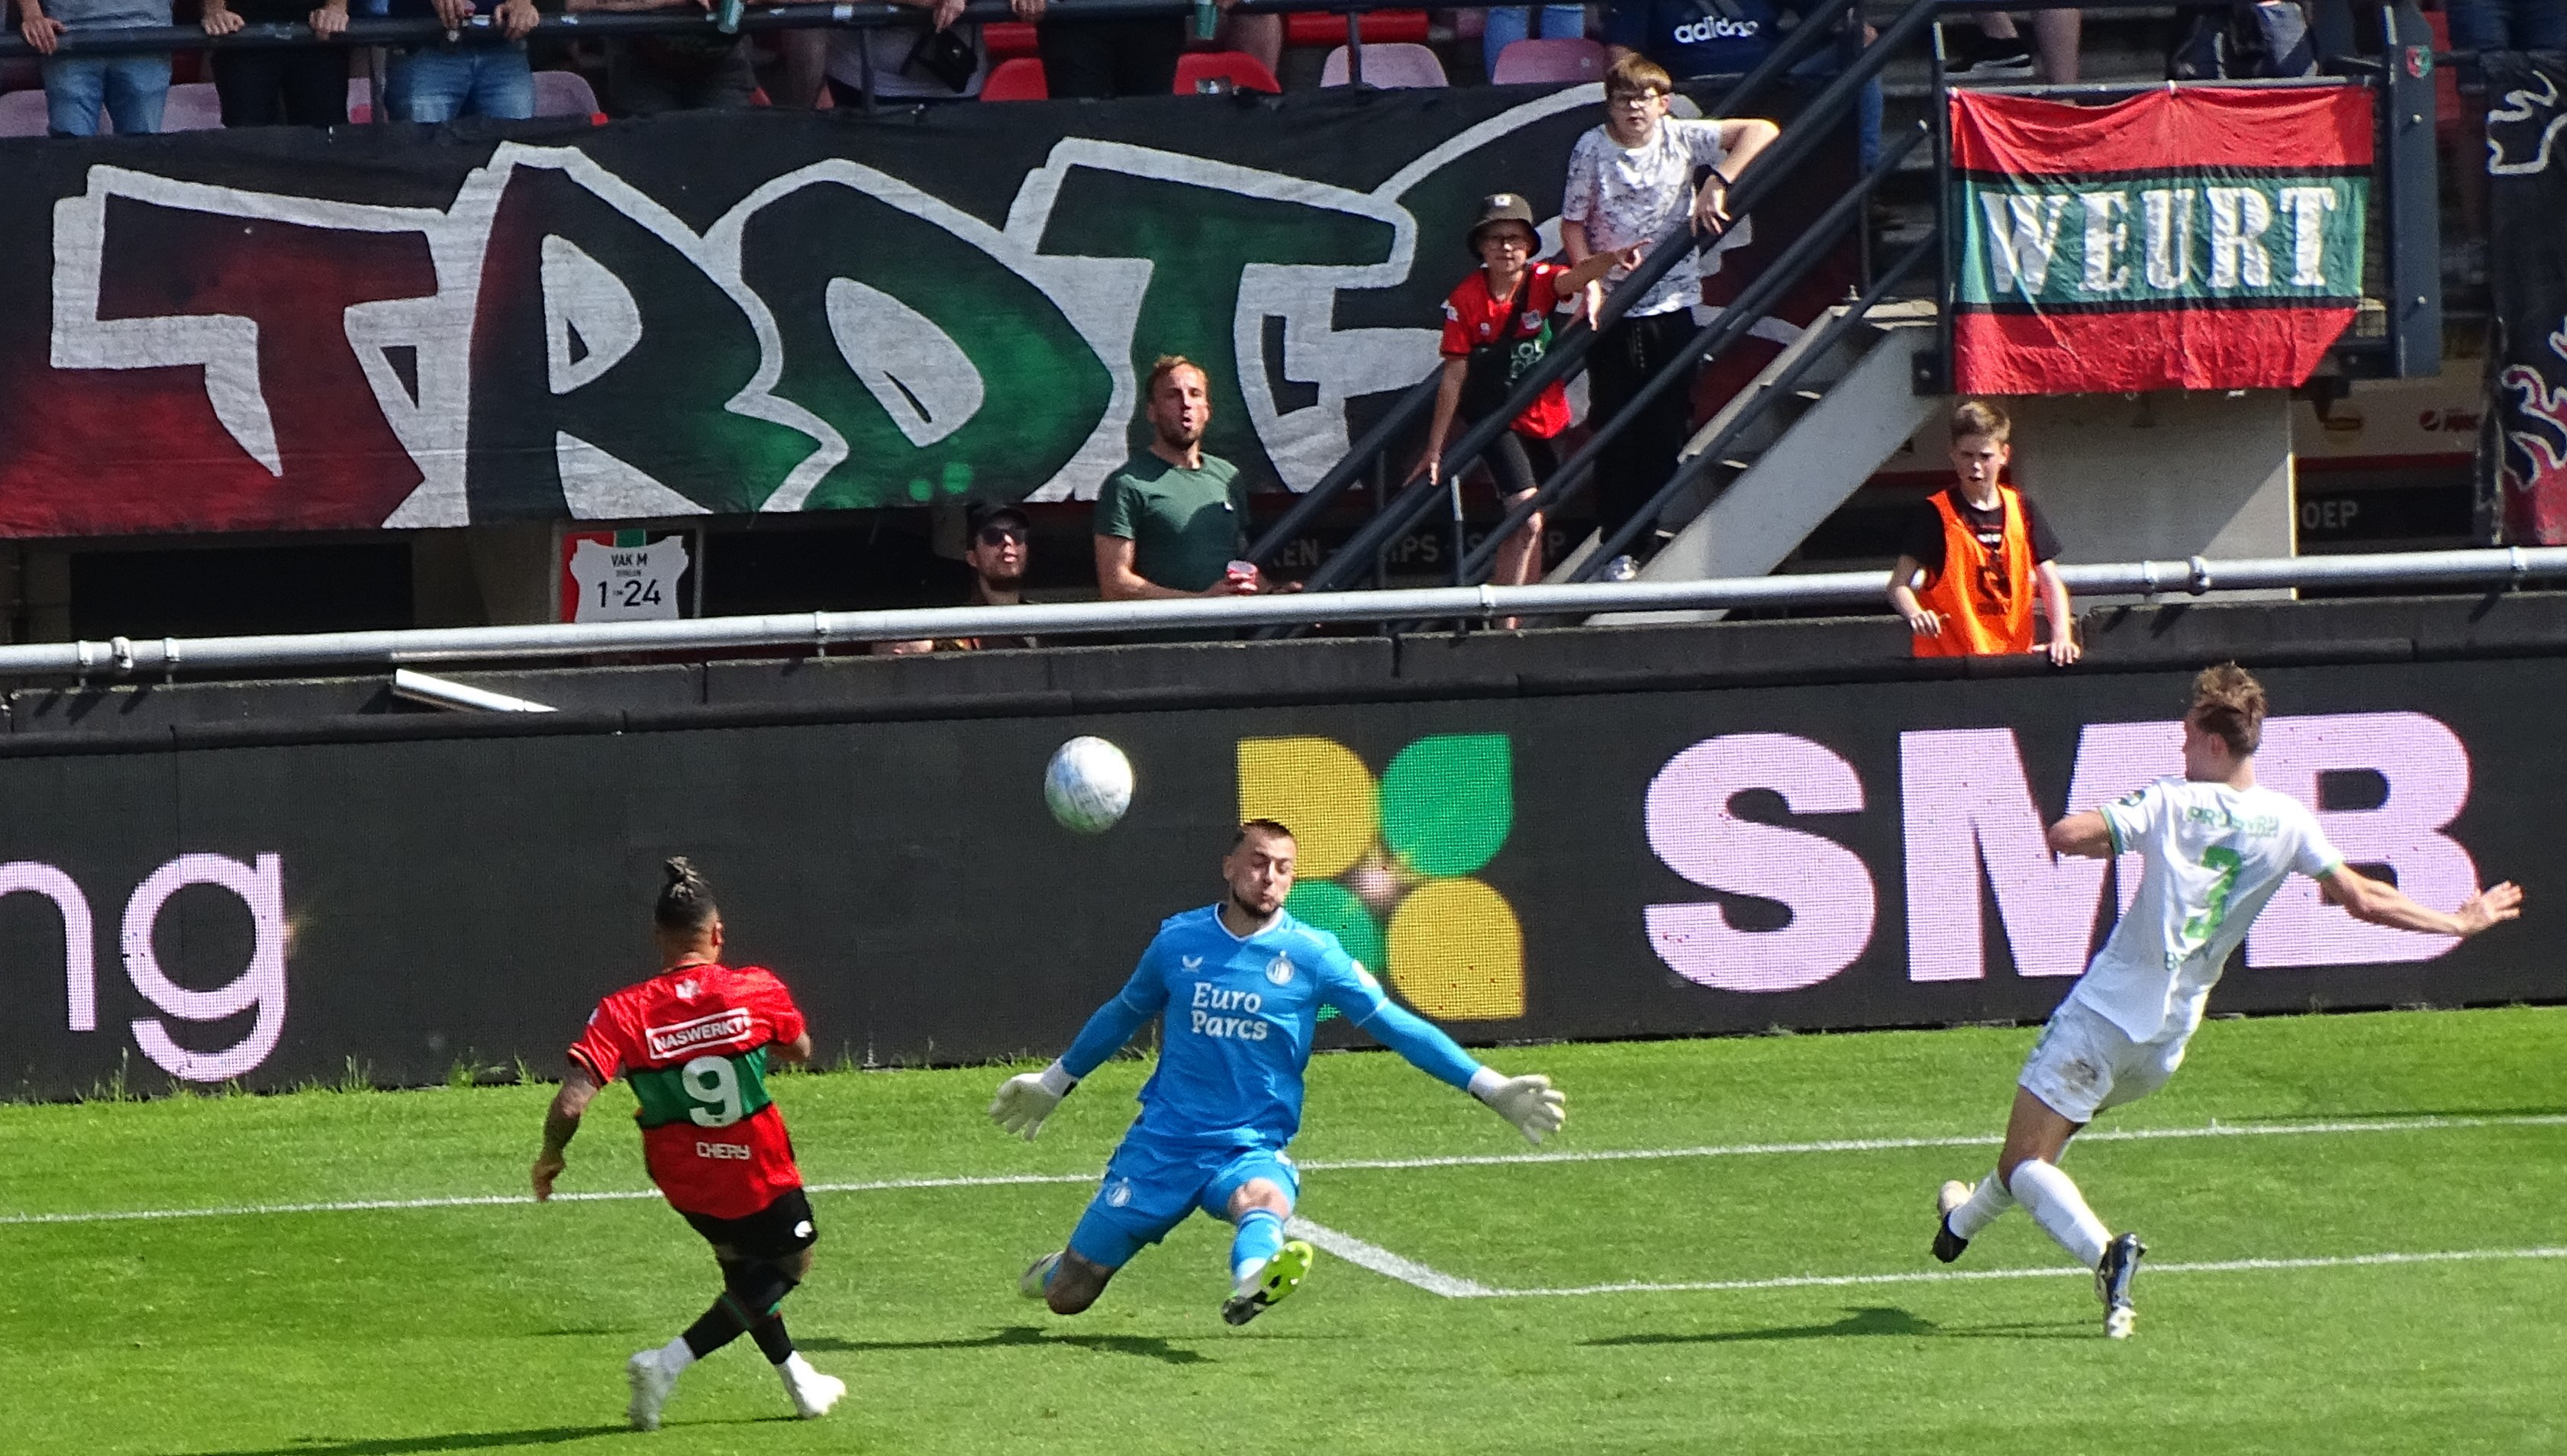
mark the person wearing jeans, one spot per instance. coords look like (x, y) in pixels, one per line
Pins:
(1507, 24)
(130, 89)
(442, 80)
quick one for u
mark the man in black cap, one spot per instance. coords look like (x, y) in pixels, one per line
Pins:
(998, 550)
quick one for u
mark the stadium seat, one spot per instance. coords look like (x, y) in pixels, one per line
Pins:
(564, 93)
(193, 106)
(1008, 39)
(1541, 61)
(22, 114)
(1380, 27)
(1389, 66)
(1244, 71)
(1019, 80)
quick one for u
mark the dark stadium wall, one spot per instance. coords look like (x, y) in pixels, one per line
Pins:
(1579, 864)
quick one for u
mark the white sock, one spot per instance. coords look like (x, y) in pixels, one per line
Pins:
(1987, 1201)
(675, 1356)
(2051, 1196)
(794, 1368)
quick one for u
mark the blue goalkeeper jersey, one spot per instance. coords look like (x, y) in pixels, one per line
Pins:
(1239, 1013)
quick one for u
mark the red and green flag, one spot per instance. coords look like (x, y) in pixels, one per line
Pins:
(2195, 237)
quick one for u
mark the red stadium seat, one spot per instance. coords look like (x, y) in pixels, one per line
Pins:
(1019, 80)
(1538, 61)
(1008, 39)
(1319, 28)
(1244, 71)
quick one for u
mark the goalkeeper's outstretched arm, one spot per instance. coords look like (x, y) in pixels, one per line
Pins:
(1024, 1101)
(1530, 1103)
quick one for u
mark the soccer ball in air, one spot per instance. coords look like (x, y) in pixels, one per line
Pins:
(1088, 785)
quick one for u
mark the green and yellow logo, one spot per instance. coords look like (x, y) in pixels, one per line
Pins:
(1387, 864)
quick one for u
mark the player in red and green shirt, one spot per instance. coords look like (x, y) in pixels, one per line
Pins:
(1497, 325)
(694, 1042)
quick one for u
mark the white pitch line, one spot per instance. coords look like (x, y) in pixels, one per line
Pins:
(1959, 1140)
(1458, 1160)
(1942, 1275)
(1382, 1261)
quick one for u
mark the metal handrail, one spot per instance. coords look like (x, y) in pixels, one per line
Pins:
(1780, 388)
(1761, 177)
(2194, 578)
(1725, 329)
(1569, 347)
(853, 15)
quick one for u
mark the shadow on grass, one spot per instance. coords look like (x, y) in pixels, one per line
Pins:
(456, 1441)
(1879, 1319)
(1147, 1346)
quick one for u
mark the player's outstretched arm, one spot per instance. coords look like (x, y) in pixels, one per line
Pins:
(2083, 835)
(2378, 903)
(1024, 1100)
(1530, 1103)
(561, 1124)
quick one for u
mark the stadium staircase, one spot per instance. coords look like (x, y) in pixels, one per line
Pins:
(1799, 440)
(1791, 447)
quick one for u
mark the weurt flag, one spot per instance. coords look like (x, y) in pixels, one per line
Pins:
(2203, 237)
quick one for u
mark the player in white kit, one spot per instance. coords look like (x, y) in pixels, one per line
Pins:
(2216, 846)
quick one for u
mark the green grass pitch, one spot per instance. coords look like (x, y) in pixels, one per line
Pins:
(503, 1326)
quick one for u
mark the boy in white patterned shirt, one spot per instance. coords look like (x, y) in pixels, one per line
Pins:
(1630, 181)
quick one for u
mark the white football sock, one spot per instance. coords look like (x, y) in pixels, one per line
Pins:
(1987, 1201)
(2051, 1196)
(675, 1356)
(794, 1368)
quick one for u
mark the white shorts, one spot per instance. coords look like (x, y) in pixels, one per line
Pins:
(2084, 1063)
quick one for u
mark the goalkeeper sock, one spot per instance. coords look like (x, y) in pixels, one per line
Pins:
(1987, 1201)
(1259, 1236)
(2051, 1196)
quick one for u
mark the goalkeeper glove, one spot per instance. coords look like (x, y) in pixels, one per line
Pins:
(1530, 1103)
(1025, 1101)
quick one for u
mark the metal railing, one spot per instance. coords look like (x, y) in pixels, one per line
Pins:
(2410, 285)
(1833, 106)
(1566, 356)
(819, 631)
(855, 15)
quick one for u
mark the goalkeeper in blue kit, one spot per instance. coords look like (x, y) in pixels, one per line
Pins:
(1239, 986)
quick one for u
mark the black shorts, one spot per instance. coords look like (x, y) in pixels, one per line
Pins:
(781, 1230)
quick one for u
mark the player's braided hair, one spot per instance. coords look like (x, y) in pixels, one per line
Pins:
(2230, 703)
(685, 904)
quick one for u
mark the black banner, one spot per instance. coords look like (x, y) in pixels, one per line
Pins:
(2522, 452)
(1576, 867)
(732, 312)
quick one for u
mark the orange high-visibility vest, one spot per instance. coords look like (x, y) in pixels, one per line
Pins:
(1984, 597)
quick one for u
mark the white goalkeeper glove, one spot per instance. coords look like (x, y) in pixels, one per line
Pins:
(1025, 1101)
(1530, 1103)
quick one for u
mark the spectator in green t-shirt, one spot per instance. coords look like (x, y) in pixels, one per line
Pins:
(1172, 519)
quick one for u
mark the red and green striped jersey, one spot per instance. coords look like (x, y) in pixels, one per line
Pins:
(692, 1042)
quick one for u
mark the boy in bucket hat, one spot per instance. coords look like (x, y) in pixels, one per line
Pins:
(1497, 325)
